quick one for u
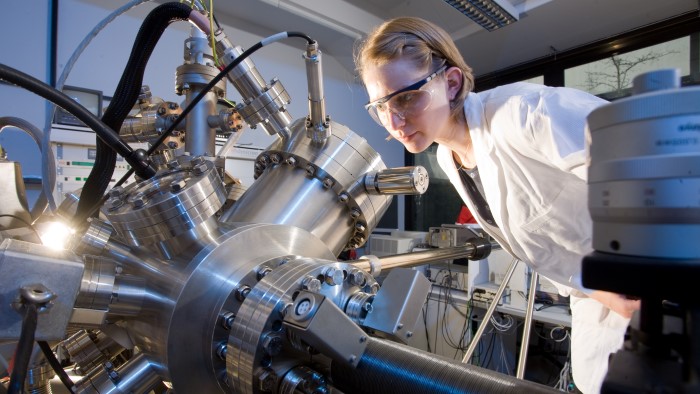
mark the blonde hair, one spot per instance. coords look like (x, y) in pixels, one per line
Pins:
(415, 39)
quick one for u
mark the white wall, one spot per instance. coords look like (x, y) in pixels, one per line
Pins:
(25, 47)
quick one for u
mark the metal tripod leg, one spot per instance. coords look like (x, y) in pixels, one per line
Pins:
(492, 308)
(525, 342)
(489, 312)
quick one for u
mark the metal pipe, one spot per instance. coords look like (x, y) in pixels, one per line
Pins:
(475, 249)
(136, 376)
(388, 367)
(489, 312)
(522, 358)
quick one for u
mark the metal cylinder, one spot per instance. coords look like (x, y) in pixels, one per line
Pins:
(149, 124)
(644, 172)
(199, 70)
(388, 367)
(97, 284)
(94, 239)
(172, 203)
(128, 295)
(264, 104)
(136, 376)
(89, 349)
(317, 127)
(402, 180)
(477, 245)
(315, 187)
(38, 379)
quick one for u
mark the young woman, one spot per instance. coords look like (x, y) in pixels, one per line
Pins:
(515, 154)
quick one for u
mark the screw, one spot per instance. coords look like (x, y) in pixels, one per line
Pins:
(263, 271)
(242, 292)
(173, 164)
(267, 380)
(161, 111)
(221, 350)
(113, 376)
(172, 145)
(363, 339)
(291, 161)
(357, 278)
(409, 334)
(310, 170)
(139, 201)
(333, 276)
(115, 203)
(116, 192)
(360, 227)
(172, 105)
(368, 307)
(196, 160)
(275, 158)
(227, 319)
(177, 186)
(328, 183)
(399, 326)
(352, 358)
(199, 169)
(311, 284)
(343, 197)
(355, 213)
(272, 344)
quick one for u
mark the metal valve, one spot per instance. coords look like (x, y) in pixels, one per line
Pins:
(401, 180)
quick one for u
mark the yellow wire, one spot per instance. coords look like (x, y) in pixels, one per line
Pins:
(211, 32)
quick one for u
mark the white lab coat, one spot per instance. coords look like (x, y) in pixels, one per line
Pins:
(529, 145)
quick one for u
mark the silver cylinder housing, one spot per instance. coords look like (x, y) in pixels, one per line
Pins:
(319, 188)
(644, 173)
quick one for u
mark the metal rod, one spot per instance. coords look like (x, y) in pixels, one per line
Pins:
(489, 312)
(522, 358)
(413, 259)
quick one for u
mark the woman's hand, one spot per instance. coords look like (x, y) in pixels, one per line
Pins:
(619, 303)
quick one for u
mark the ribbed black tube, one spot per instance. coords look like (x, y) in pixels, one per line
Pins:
(387, 367)
(125, 97)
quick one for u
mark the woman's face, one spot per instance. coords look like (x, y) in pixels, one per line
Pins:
(415, 129)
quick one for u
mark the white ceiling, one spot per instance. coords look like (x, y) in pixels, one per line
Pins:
(545, 26)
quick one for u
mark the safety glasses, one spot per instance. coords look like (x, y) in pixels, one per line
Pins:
(408, 101)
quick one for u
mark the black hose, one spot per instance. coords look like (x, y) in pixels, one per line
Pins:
(123, 100)
(24, 349)
(388, 367)
(35, 86)
(56, 366)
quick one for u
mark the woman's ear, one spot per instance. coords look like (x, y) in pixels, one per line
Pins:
(454, 81)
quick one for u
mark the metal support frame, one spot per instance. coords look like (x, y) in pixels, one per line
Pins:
(522, 359)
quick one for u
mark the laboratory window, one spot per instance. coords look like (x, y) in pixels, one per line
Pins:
(611, 78)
